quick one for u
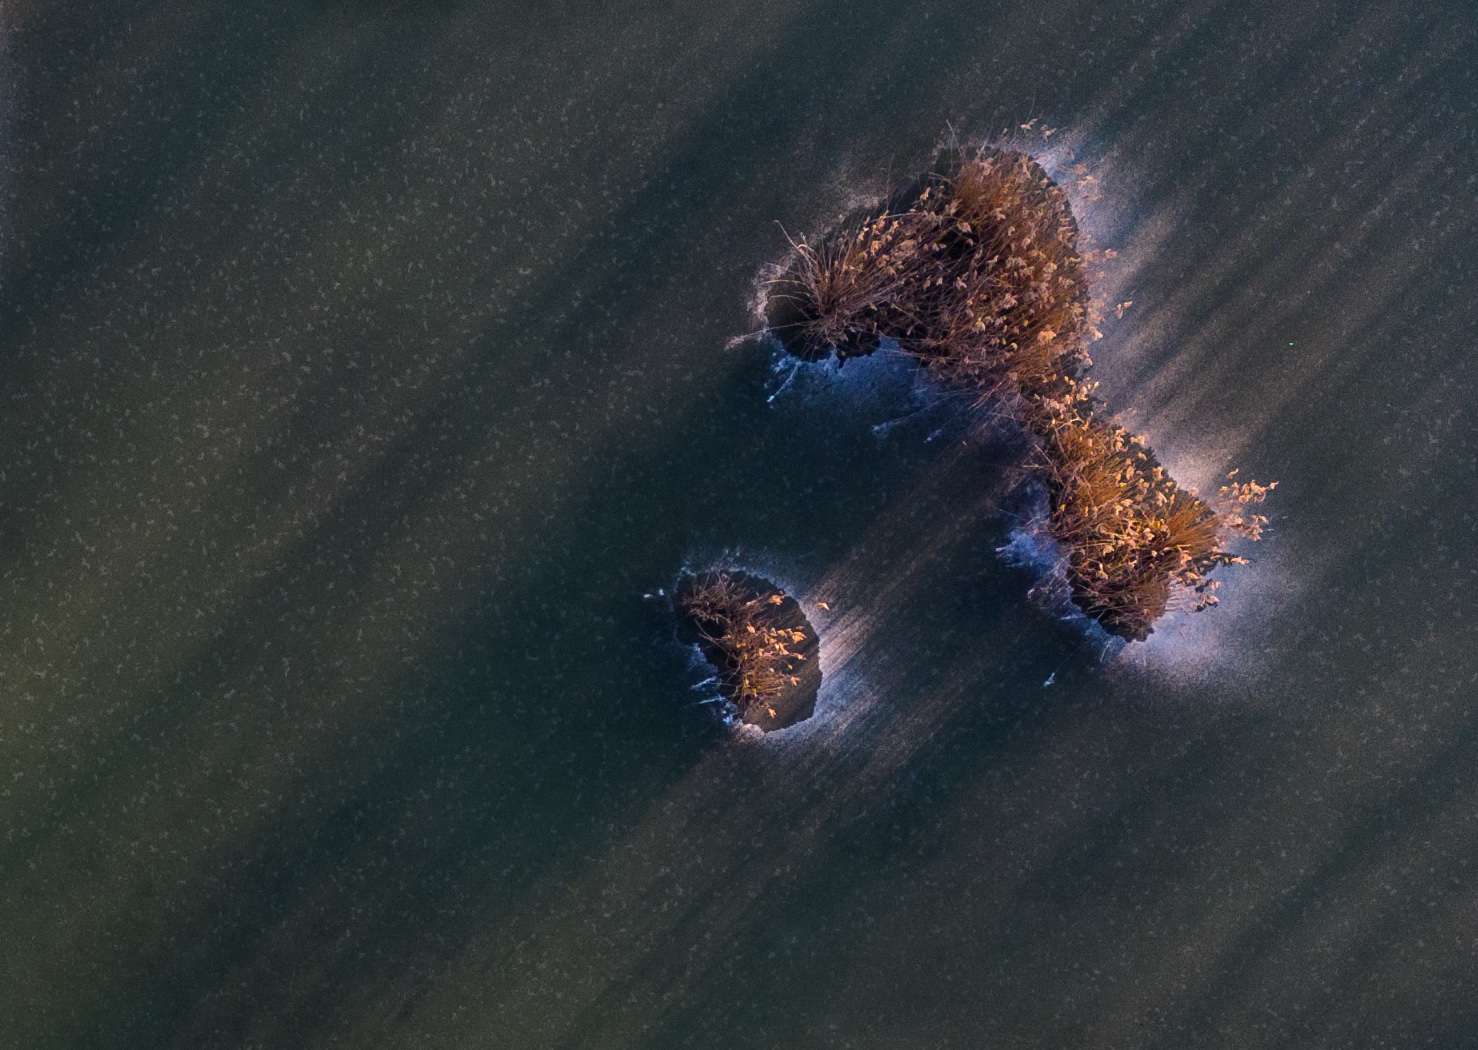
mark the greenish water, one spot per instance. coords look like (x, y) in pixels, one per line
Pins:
(365, 363)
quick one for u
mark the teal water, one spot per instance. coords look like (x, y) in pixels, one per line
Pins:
(363, 365)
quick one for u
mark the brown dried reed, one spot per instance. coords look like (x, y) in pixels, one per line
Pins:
(756, 662)
(1137, 544)
(978, 276)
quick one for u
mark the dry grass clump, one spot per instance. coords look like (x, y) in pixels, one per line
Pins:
(847, 292)
(1137, 544)
(978, 277)
(976, 273)
(754, 654)
(1012, 299)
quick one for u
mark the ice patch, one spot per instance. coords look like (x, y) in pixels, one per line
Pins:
(887, 392)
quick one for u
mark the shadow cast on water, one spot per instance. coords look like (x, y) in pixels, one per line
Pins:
(345, 854)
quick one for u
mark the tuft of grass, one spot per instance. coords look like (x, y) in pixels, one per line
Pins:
(978, 277)
(1010, 299)
(754, 654)
(976, 273)
(1137, 544)
(843, 294)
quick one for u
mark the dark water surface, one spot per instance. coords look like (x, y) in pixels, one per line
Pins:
(365, 363)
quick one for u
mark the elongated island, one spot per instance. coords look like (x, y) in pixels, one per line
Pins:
(974, 271)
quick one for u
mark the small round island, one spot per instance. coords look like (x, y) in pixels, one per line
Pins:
(763, 649)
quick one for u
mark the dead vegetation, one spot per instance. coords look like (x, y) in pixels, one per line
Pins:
(976, 273)
(757, 657)
(979, 278)
(1137, 544)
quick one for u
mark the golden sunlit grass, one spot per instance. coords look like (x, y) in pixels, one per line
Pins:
(978, 276)
(756, 655)
(1137, 544)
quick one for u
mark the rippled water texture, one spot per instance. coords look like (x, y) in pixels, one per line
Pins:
(365, 363)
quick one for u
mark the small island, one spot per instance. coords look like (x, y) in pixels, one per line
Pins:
(974, 271)
(762, 647)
